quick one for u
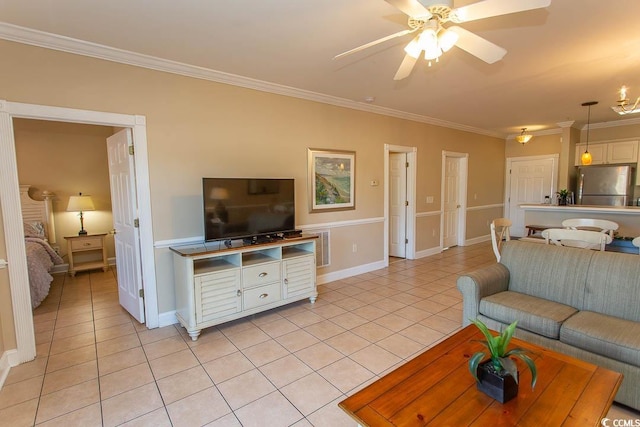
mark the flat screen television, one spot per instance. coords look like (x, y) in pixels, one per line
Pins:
(236, 208)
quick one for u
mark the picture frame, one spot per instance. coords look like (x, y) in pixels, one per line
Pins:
(331, 180)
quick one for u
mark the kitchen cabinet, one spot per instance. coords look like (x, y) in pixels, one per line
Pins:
(604, 153)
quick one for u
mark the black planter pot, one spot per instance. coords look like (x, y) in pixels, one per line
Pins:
(501, 388)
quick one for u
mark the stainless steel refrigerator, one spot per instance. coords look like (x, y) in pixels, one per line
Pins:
(610, 185)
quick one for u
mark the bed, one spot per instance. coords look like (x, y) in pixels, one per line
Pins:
(39, 236)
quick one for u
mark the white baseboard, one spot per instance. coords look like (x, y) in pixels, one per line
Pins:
(348, 272)
(477, 240)
(7, 360)
(167, 318)
(428, 252)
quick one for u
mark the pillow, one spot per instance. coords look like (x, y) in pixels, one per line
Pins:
(34, 229)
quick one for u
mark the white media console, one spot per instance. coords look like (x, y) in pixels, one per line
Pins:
(215, 283)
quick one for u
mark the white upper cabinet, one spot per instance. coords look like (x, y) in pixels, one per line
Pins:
(609, 152)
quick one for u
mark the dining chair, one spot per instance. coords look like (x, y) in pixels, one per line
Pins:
(499, 232)
(636, 243)
(586, 239)
(601, 225)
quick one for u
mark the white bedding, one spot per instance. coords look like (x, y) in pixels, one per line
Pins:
(40, 258)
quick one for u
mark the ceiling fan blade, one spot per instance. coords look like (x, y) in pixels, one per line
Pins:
(406, 67)
(375, 42)
(489, 8)
(413, 8)
(477, 46)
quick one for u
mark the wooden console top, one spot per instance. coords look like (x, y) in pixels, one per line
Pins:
(207, 248)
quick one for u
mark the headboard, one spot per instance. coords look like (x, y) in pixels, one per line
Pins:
(38, 211)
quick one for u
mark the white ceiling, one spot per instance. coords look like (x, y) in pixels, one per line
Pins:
(557, 58)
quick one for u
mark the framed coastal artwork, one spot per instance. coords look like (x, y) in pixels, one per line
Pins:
(331, 180)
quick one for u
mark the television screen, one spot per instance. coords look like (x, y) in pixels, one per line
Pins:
(245, 207)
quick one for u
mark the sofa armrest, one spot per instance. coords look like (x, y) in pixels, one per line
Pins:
(478, 284)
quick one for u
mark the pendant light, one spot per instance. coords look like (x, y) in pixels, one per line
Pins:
(586, 158)
(524, 137)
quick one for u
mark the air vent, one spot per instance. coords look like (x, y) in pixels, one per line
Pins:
(322, 248)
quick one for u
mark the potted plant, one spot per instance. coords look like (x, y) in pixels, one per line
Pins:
(498, 375)
(562, 196)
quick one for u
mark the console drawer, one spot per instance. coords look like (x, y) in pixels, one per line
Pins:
(86, 243)
(261, 274)
(261, 295)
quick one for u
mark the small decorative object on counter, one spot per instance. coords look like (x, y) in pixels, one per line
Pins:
(562, 197)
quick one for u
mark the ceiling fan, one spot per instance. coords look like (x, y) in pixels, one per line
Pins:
(432, 38)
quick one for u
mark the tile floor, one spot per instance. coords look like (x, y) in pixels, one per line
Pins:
(96, 366)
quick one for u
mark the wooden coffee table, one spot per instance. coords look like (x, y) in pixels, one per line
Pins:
(436, 388)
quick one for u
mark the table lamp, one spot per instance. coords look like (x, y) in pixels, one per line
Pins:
(80, 204)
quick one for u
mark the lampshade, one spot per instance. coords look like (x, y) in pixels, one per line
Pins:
(524, 137)
(80, 203)
(586, 158)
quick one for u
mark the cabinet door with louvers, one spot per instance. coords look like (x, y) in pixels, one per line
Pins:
(298, 276)
(217, 295)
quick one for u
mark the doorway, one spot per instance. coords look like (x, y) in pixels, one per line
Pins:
(12, 216)
(528, 180)
(454, 199)
(399, 201)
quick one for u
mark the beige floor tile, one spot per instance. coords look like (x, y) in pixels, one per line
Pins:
(430, 306)
(109, 312)
(372, 332)
(248, 337)
(245, 388)
(310, 393)
(26, 370)
(70, 376)
(304, 318)
(400, 345)
(347, 343)
(198, 409)
(297, 340)
(279, 327)
(183, 384)
(228, 420)
(441, 324)
(393, 322)
(157, 334)
(265, 352)
(235, 326)
(331, 415)
(131, 405)
(70, 320)
(117, 345)
(61, 345)
(116, 331)
(44, 326)
(125, 380)
(45, 336)
(20, 392)
(227, 367)
(345, 374)
(89, 416)
(376, 359)
(328, 311)
(110, 321)
(350, 303)
(164, 347)
(285, 371)
(70, 331)
(213, 349)
(319, 355)
(20, 415)
(121, 360)
(412, 313)
(272, 410)
(67, 400)
(157, 418)
(173, 363)
(260, 319)
(422, 334)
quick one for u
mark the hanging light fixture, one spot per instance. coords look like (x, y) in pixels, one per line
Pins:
(524, 137)
(434, 40)
(624, 106)
(586, 158)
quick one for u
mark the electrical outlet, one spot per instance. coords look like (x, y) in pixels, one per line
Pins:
(434, 232)
(429, 199)
(355, 248)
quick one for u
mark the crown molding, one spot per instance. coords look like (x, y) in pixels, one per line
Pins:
(46, 40)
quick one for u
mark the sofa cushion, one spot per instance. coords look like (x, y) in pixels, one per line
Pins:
(547, 271)
(608, 336)
(613, 285)
(534, 314)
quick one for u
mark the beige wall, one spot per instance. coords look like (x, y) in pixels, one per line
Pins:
(67, 158)
(197, 128)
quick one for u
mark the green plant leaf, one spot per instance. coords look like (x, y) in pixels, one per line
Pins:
(510, 367)
(520, 354)
(491, 341)
(473, 364)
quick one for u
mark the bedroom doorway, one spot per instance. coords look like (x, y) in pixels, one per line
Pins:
(408, 155)
(10, 203)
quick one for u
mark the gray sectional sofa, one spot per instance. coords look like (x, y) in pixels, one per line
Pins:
(575, 301)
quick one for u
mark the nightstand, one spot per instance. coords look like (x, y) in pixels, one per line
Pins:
(78, 245)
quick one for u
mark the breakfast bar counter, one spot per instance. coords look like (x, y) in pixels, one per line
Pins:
(627, 217)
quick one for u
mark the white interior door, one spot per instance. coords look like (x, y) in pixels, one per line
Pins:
(530, 181)
(451, 201)
(397, 204)
(123, 201)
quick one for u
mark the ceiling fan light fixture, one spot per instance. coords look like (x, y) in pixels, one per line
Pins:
(524, 137)
(447, 39)
(624, 107)
(414, 49)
